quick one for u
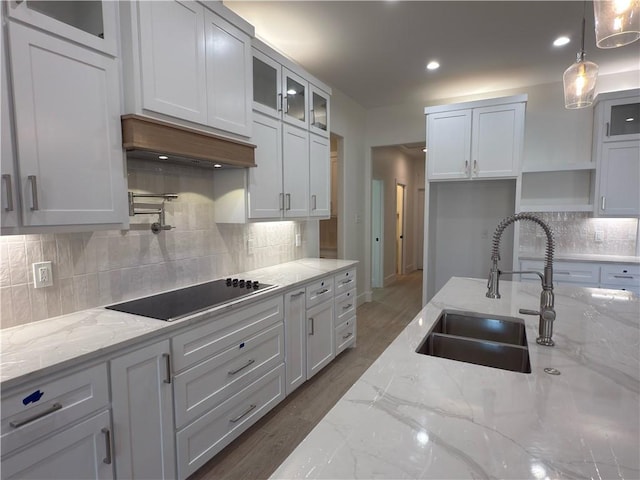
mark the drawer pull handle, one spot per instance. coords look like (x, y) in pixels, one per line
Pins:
(297, 294)
(347, 307)
(347, 281)
(250, 362)
(7, 179)
(323, 291)
(107, 442)
(344, 337)
(562, 273)
(167, 358)
(18, 423)
(312, 327)
(245, 413)
(630, 277)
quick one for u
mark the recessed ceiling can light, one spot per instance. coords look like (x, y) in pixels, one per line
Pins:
(560, 41)
(432, 65)
(217, 165)
(630, 119)
(163, 157)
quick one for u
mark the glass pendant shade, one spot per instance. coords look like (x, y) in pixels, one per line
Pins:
(580, 83)
(617, 22)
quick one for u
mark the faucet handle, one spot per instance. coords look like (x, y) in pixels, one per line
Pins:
(525, 311)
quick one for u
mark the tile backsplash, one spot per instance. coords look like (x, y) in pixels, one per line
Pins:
(102, 267)
(575, 233)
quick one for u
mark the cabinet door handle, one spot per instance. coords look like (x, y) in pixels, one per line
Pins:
(630, 277)
(466, 167)
(34, 192)
(607, 129)
(313, 201)
(603, 202)
(243, 414)
(279, 102)
(167, 359)
(51, 409)
(288, 201)
(312, 326)
(475, 168)
(297, 294)
(313, 117)
(285, 103)
(107, 441)
(250, 362)
(6, 178)
(282, 201)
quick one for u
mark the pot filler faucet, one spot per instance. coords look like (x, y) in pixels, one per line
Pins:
(547, 313)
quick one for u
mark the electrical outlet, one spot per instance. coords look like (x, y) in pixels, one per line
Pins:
(599, 236)
(250, 246)
(42, 274)
(298, 240)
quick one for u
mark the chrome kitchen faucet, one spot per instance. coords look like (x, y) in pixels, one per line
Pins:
(547, 313)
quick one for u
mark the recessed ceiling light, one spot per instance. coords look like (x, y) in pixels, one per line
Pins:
(560, 41)
(432, 65)
(217, 165)
(163, 157)
(630, 119)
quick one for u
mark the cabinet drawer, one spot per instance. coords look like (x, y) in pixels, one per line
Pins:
(345, 306)
(35, 411)
(319, 291)
(576, 273)
(345, 334)
(204, 386)
(205, 437)
(624, 275)
(345, 281)
(635, 289)
(220, 332)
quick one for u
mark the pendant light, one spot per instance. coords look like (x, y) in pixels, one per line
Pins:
(580, 79)
(617, 22)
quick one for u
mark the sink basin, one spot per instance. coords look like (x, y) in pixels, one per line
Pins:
(482, 339)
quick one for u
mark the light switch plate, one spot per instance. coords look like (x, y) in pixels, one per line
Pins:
(42, 274)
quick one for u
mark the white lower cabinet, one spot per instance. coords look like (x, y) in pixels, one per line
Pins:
(81, 452)
(58, 428)
(199, 441)
(142, 405)
(295, 332)
(320, 337)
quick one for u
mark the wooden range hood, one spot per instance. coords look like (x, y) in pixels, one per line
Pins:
(147, 138)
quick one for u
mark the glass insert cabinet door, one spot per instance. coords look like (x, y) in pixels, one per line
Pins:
(622, 119)
(295, 93)
(266, 84)
(319, 112)
(89, 22)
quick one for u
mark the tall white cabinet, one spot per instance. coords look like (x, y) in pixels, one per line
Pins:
(64, 73)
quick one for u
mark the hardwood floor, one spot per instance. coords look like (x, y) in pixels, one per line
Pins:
(260, 450)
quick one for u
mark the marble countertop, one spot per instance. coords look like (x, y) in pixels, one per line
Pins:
(416, 416)
(583, 257)
(31, 351)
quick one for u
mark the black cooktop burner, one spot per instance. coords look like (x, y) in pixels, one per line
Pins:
(180, 303)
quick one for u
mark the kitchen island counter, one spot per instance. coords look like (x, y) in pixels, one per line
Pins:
(418, 416)
(37, 349)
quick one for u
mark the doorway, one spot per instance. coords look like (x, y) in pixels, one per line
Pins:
(377, 231)
(400, 222)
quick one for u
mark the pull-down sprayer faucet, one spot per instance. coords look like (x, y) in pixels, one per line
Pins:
(547, 313)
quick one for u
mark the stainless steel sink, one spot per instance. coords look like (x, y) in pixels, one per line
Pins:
(482, 339)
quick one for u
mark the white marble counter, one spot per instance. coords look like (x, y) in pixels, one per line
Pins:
(417, 416)
(40, 348)
(583, 257)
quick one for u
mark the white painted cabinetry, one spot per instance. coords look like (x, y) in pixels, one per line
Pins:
(9, 206)
(70, 170)
(319, 176)
(616, 149)
(470, 140)
(295, 315)
(188, 62)
(320, 337)
(58, 428)
(142, 403)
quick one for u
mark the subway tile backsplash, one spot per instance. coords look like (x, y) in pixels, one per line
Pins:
(575, 233)
(98, 268)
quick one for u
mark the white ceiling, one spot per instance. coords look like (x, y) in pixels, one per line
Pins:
(376, 52)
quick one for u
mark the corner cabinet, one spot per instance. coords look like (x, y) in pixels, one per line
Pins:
(616, 150)
(471, 140)
(70, 171)
(200, 73)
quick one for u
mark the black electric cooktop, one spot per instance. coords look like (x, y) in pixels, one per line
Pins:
(185, 301)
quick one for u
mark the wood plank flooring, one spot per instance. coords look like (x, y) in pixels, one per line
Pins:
(260, 450)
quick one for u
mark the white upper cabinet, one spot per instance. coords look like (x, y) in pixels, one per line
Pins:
(188, 62)
(9, 201)
(66, 102)
(295, 96)
(616, 150)
(91, 24)
(295, 171)
(319, 111)
(267, 85)
(481, 139)
(319, 177)
(172, 55)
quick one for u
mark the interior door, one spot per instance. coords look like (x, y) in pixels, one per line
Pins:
(377, 230)
(400, 227)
